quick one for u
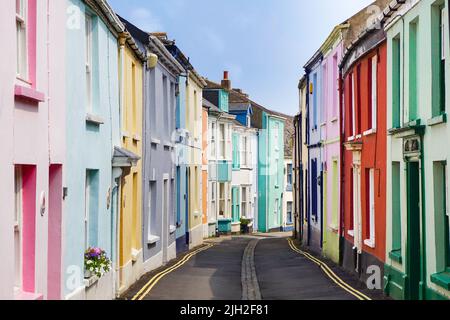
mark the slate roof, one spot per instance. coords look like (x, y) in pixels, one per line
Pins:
(239, 98)
(210, 105)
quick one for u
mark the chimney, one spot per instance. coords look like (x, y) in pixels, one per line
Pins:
(226, 83)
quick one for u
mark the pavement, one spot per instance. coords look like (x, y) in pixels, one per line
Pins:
(256, 267)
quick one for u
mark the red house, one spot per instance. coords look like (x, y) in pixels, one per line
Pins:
(364, 137)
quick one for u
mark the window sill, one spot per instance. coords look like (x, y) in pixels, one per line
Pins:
(335, 119)
(396, 255)
(370, 243)
(167, 144)
(437, 120)
(28, 94)
(442, 279)
(351, 233)
(334, 228)
(323, 124)
(94, 119)
(27, 296)
(155, 141)
(152, 239)
(91, 281)
(137, 138)
(369, 132)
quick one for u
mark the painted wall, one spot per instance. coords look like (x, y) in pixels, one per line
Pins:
(42, 120)
(270, 177)
(181, 170)
(399, 233)
(315, 117)
(158, 227)
(91, 139)
(365, 150)
(288, 224)
(7, 106)
(194, 101)
(243, 175)
(205, 153)
(131, 188)
(331, 150)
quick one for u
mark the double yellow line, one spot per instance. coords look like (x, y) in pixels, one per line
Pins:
(327, 270)
(155, 279)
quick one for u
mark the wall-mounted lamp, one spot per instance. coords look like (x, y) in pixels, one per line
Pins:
(311, 88)
(152, 60)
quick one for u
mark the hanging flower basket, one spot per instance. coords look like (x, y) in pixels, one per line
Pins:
(96, 263)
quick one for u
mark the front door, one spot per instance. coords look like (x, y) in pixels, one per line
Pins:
(414, 235)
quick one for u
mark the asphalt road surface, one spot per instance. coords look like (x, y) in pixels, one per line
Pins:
(247, 268)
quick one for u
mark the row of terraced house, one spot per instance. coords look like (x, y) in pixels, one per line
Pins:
(370, 160)
(118, 156)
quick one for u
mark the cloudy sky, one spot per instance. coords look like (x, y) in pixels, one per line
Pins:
(263, 43)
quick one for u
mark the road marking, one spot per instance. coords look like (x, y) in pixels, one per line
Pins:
(327, 270)
(156, 278)
(249, 279)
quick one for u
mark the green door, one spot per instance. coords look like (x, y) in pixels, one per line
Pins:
(413, 241)
(236, 204)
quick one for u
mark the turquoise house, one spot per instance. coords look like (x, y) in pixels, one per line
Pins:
(93, 122)
(270, 161)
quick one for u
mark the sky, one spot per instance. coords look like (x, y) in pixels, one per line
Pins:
(264, 44)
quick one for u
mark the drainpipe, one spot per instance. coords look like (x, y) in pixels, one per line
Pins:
(48, 80)
(122, 40)
(342, 167)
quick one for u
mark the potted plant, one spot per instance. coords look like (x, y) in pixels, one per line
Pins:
(96, 262)
(245, 225)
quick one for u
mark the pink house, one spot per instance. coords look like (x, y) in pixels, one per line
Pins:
(32, 127)
(332, 51)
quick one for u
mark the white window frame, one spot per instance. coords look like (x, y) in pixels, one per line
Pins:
(245, 201)
(292, 210)
(229, 143)
(18, 219)
(213, 139)
(222, 199)
(222, 141)
(442, 31)
(229, 200)
(213, 199)
(245, 154)
(87, 201)
(374, 91)
(371, 241)
(88, 60)
(352, 97)
(22, 39)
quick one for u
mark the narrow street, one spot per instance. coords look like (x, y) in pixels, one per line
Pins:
(247, 268)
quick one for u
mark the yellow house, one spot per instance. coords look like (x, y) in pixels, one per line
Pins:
(194, 115)
(131, 66)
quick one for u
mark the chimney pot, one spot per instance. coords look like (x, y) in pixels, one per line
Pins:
(226, 83)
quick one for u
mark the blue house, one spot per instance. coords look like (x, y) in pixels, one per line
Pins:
(93, 119)
(314, 106)
(160, 215)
